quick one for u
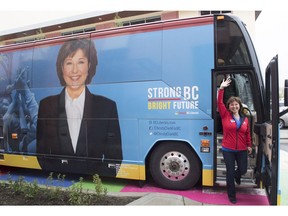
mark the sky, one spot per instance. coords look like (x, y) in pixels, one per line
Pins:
(270, 32)
(271, 40)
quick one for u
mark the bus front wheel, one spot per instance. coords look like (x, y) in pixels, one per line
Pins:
(173, 165)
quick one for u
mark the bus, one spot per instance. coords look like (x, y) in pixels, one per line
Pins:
(139, 102)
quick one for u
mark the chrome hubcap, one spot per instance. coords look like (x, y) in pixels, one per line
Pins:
(174, 166)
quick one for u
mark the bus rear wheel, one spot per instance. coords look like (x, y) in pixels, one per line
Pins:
(173, 165)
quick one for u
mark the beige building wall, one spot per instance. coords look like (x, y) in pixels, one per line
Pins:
(248, 17)
(186, 14)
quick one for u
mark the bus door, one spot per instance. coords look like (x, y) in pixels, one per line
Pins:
(270, 133)
(242, 87)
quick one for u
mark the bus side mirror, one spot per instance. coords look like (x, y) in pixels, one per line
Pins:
(286, 93)
(245, 111)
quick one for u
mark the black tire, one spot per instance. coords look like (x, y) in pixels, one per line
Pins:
(175, 166)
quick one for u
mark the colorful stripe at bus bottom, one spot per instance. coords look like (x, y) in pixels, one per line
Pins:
(126, 171)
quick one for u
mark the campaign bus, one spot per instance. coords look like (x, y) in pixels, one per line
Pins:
(139, 102)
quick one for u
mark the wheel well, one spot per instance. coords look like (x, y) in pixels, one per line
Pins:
(161, 143)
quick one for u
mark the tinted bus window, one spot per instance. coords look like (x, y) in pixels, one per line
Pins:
(231, 46)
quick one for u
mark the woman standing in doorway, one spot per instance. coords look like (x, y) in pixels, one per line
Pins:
(236, 139)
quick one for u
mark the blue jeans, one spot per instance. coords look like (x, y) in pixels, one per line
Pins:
(241, 160)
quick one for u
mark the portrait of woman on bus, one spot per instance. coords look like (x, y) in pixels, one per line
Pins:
(76, 122)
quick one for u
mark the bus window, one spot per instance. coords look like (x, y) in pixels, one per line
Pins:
(244, 89)
(239, 87)
(231, 47)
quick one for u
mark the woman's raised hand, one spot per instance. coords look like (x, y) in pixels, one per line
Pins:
(225, 83)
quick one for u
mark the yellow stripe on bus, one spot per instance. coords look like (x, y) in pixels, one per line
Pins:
(23, 161)
(129, 171)
(132, 171)
(279, 199)
(207, 177)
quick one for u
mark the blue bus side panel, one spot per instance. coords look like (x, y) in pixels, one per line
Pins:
(188, 55)
(129, 58)
(158, 80)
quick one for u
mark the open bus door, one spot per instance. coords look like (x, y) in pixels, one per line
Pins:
(270, 133)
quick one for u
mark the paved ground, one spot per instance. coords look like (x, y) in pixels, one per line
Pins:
(245, 197)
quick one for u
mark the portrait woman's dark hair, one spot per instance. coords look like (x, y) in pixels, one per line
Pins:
(69, 48)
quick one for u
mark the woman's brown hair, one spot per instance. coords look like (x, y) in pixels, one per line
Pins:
(69, 48)
(234, 99)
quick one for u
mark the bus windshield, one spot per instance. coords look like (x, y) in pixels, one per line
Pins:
(231, 47)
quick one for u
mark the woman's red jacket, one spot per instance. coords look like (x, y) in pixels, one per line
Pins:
(233, 138)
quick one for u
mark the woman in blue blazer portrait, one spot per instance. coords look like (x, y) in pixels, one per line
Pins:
(76, 130)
